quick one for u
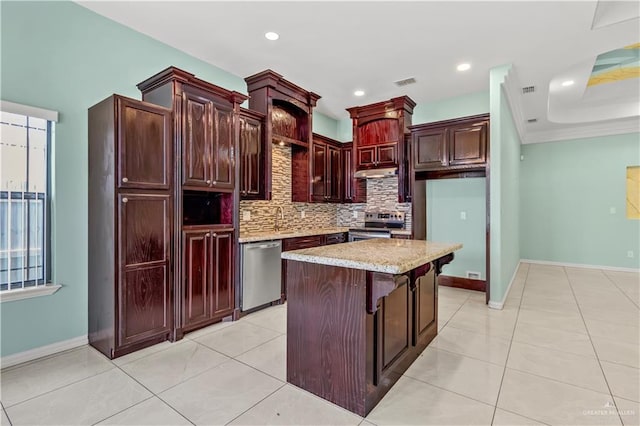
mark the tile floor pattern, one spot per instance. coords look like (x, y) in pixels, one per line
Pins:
(564, 350)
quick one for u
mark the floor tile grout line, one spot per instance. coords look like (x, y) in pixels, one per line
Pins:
(449, 390)
(454, 314)
(619, 289)
(6, 414)
(506, 361)
(124, 409)
(594, 349)
(526, 417)
(59, 388)
(245, 411)
(241, 353)
(468, 356)
(157, 395)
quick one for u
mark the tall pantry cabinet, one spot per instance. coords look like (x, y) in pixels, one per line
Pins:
(206, 134)
(162, 223)
(131, 197)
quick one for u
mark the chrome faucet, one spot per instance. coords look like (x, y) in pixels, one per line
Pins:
(276, 226)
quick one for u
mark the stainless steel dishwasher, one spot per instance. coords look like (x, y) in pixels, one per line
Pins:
(261, 273)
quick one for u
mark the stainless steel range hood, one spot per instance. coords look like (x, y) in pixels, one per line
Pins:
(376, 173)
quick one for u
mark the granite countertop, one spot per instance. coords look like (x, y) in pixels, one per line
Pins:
(393, 256)
(250, 237)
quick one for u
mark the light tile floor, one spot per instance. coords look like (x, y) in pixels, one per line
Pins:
(564, 350)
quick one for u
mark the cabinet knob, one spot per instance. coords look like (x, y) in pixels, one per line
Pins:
(214, 182)
(125, 180)
(208, 181)
(215, 235)
(125, 200)
(207, 235)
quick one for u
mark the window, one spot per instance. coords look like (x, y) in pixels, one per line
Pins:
(25, 143)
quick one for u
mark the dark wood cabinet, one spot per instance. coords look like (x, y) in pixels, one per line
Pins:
(326, 170)
(252, 158)
(288, 111)
(379, 138)
(208, 289)
(451, 145)
(130, 291)
(208, 142)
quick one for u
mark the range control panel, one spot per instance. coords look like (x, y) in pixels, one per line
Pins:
(382, 219)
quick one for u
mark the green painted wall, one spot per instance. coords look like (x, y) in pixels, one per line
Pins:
(63, 57)
(446, 199)
(460, 106)
(504, 188)
(568, 189)
(325, 125)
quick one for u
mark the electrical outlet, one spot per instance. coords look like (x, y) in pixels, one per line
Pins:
(630, 254)
(463, 215)
(246, 215)
(302, 214)
(355, 214)
(612, 210)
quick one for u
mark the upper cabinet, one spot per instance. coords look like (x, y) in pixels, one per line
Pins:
(252, 158)
(288, 109)
(379, 140)
(326, 170)
(451, 145)
(204, 130)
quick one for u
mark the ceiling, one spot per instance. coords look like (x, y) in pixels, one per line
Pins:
(335, 48)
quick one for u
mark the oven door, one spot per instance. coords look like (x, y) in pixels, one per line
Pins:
(367, 235)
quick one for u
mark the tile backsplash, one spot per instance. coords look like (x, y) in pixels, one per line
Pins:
(382, 194)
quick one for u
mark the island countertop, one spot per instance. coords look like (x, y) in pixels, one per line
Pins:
(393, 256)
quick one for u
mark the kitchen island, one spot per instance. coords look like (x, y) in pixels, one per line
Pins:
(359, 314)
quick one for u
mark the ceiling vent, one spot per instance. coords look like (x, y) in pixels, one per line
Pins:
(528, 89)
(405, 82)
(532, 120)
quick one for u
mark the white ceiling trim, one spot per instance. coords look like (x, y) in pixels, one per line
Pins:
(512, 90)
(618, 127)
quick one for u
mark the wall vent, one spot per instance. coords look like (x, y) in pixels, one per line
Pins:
(405, 82)
(528, 89)
(532, 120)
(473, 275)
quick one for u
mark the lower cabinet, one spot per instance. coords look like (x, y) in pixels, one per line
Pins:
(208, 290)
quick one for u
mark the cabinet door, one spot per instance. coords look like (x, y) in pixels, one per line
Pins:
(222, 265)
(144, 145)
(318, 172)
(396, 323)
(144, 292)
(222, 155)
(365, 157)
(429, 149)
(425, 303)
(251, 155)
(468, 144)
(347, 173)
(334, 174)
(196, 302)
(387, 155)
(196, 144)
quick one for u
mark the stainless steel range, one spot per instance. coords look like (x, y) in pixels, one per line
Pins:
(378, 224)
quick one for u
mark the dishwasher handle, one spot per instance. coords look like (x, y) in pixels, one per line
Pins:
(263, 245)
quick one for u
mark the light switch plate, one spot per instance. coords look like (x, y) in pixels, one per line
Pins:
(246, 215)
(463, 215)
(612, 210)
(302, 214)
(355, 214)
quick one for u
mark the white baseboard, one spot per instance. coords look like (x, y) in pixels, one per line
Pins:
(579, 265)
(499, 305)
(31, 354)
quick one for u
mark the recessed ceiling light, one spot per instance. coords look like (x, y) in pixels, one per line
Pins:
(359, 93)
(568, 83)
(464, 67)
(271, 36)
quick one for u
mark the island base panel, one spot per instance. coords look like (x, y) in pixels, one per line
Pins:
(347, 342)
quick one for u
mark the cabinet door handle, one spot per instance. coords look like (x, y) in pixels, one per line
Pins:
(207, 235)
(125, 200)
(215, 235)
(214, 182)
(125, 180)
(208, 181)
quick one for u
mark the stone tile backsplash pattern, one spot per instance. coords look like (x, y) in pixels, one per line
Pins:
(382, 194)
